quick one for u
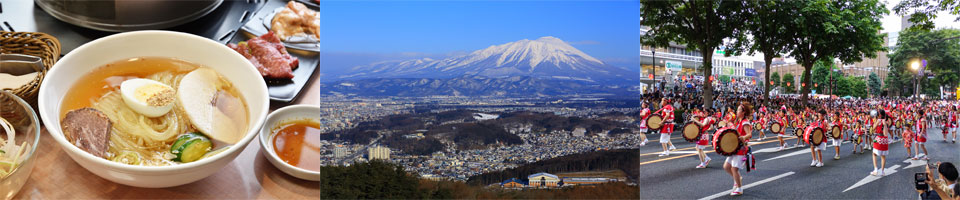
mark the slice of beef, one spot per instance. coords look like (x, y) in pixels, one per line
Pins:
(88, 129)
(269, 55)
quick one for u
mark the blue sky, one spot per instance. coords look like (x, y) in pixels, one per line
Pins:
(607, 30)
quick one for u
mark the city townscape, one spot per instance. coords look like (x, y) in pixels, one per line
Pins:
(452, 164)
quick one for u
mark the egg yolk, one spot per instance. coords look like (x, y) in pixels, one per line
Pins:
(154, 95)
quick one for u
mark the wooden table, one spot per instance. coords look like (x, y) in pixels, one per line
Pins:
(249, 176)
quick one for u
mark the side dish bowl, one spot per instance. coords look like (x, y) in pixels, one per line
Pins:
(277, 118)
(27, 128)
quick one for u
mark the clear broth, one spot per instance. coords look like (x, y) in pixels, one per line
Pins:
(108, 78)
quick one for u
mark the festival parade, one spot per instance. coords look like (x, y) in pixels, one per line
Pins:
(800, 99)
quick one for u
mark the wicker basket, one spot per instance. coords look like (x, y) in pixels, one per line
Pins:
(36, 44)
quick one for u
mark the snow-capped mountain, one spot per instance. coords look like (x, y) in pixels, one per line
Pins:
(470, 85)
(546, 57)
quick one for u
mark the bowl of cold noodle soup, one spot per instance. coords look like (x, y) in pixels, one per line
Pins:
(153, 108)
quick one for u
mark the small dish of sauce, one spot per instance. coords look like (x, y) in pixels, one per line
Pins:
(296, 142)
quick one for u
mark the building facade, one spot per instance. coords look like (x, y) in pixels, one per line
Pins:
(543, 180)
(339, 152)
(579, 132)
(513, 183)
(378, 152)
(574, 181)
(788, 68)
(879, 65)
(677, 60)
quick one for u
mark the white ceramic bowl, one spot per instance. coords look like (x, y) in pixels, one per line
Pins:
(183, 46)
(279, 116)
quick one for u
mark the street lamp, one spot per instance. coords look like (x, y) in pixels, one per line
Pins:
(917, 65)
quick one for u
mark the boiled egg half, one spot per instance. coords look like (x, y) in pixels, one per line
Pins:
(148, 97)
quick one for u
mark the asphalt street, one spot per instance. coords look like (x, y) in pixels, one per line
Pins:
(786, 174)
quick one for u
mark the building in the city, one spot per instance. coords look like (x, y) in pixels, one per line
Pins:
(788, 68)
(892, 39)
(879, 65)
(513, 183)
(339, 152)
(574, 181)
(905, 22)
(543, 179)
(579, 132)
(378, 152)
(677, 60)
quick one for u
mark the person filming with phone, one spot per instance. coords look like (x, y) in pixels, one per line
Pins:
(944, 187)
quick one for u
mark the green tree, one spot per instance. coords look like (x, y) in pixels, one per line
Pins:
(789, 85)
(724, 79)
(942, 57)
(775, 78)
(700, 25)
(766, 35)
(842, 85)
(925, 11)
(844, 29)
(897, 83)
(876, 87)
(821, 75)
(841, 82)
(369, 180)
(858, 87)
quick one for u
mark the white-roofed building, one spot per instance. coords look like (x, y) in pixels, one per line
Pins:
(543, 179)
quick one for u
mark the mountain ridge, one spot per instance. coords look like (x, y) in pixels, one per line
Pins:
(546, 57)
(471, 85)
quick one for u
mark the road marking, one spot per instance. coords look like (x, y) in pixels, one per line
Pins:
(871, 178)
(668, 158)
(914, 163)
(727, 192)
(683, 152)
(844, 142)
(772, 149)
(661, 151)
(802, 151)
(688, 155)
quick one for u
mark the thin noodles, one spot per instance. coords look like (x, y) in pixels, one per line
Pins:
(132, 131)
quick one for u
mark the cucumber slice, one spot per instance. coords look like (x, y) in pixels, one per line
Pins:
(193, 149)
(182, 140)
